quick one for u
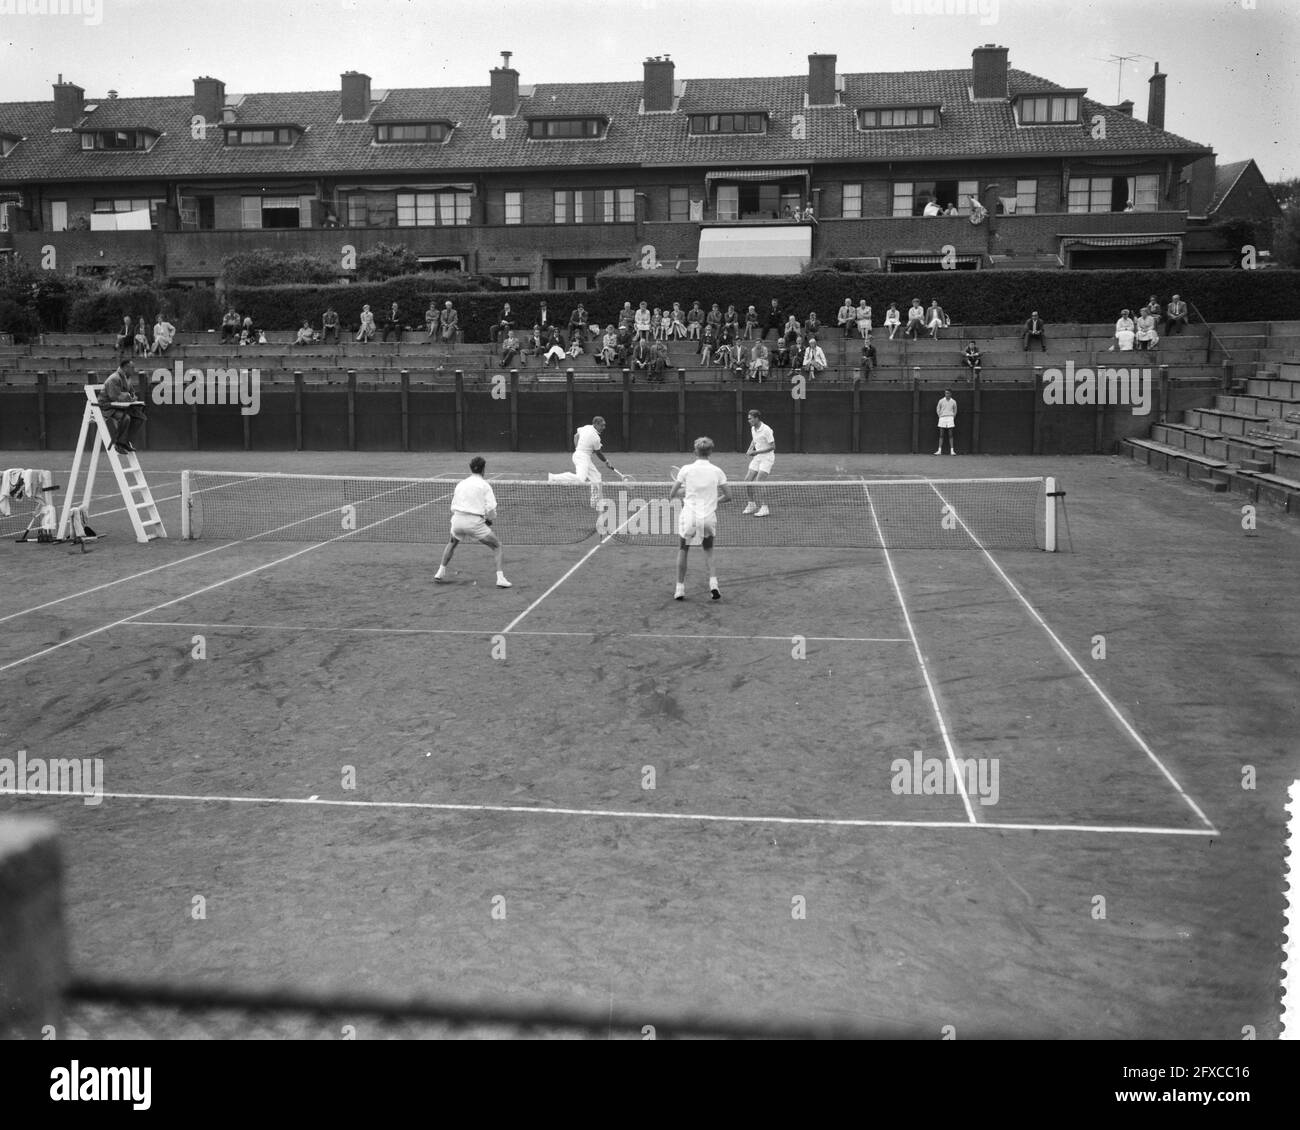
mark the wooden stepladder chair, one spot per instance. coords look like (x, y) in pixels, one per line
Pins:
(126, 469)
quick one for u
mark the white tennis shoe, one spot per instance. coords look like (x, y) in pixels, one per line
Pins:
(749, 508)
(680, 593)
(762, 512)
(502, 583)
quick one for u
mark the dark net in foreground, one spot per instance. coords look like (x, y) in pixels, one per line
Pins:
(1007, 513)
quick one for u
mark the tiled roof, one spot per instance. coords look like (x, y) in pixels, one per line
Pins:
(330, 147)
(1225, 176)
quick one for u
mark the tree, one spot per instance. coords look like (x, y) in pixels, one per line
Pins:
(386, 261)
(1286, 193)
(1286, 243)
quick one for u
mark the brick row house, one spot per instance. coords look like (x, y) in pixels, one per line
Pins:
(543, 185)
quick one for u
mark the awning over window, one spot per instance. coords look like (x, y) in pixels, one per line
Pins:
(120, 221)
(773, 249)
(460, 187)
(929, 260)
(1120, 240)
(756, 174)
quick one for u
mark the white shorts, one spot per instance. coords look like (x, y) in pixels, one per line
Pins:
(469, 527)
(692, 525)
(947, 422)
(584, 468)
(763, 462)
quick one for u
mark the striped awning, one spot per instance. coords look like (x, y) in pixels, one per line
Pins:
(1120, 240)
(773, 249)
(756, 174)
(914, 260)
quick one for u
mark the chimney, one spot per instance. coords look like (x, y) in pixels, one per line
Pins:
(988, 65)
(1126, 107)
(69, 104)
(821, 80)
(505, 88)
(356, 96)
(1156, 99)
(209, 98)
(658, 90)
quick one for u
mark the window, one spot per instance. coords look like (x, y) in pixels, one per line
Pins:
(728, 123)
(679, 204)
(911, 197)
(274, 212)
(358, 216)
(560, 128)
(514, 207)
(116, 139)
(282, 135)
(851, 202)
(728, 201)
(1049, 109)
(396, 133)
(1026, 197)
(902, 117)
(7, 144)
(513, 282)
(1114, 194)
(134, 204)
(58, 215)
(595, 206)
(432, 209)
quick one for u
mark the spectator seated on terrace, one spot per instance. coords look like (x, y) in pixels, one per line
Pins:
(641, 322)
(812, 327)
(126, 335)
(814, 359)
(448, 324)
(1176, 316)
(329, 324)
(534, 345)
(510, 349)
(366, 332)
(863, 318)
(658, 360)
(393, 324)
(936, 319)
(915, 319)
(1034, 330)
(230, 327)
(709, 342)
(1153, 305)
(504, 323)
(869, 361)
(306, 335)
(140, 343)
(431, 321)
(694, 322)
(893, 320)
(609, 347)
(164, 333)
(971, 359)
(677, 318)
(760, 362)
(1124, 339)
(641, 356)
(779, 357)
(554, 349)
(578, 323)
(1145, 330)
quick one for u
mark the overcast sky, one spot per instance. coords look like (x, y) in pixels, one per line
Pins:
(1232, 64)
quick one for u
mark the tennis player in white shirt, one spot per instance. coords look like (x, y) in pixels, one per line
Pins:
(763, 448)
(473, 508)
(702, 485)
(586, 446)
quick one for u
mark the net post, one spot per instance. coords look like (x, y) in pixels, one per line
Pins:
(1049, 524)
(185, 506)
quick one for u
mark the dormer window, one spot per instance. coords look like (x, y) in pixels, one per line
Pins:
(410, 133)
(555, 129)
(1047, 109)
(729, 123)
(117, 139)
(262, 135)
(898, 117)
(8, 141)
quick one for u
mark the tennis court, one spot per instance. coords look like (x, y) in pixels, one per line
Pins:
(889, 783)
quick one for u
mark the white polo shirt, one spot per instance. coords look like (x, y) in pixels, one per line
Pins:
(701, 480)
(587, 441)
(764, 440)
(474, 496)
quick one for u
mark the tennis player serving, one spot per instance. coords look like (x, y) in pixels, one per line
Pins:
(586, 446)
(473, 507)
(763, 448)
(702, 485)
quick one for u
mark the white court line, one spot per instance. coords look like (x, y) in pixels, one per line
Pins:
(920, 659)
(179, 561)
(1115, 711)
(573, 569)
(590, 634)
(620, 814)
(220, 584)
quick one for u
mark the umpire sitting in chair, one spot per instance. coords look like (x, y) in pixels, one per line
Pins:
(122, 406)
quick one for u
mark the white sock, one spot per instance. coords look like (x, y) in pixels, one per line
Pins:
(442, 571)
(713, 582)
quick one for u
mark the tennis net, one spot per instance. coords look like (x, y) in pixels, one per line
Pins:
(1004, 513)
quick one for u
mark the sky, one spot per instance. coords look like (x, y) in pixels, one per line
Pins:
(1232, 64)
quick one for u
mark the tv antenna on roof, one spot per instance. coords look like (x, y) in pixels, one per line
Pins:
(1119, 61)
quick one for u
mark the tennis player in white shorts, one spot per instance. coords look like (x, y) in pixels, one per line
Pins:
(701, 485)
(586, 447)
(473, 507)
(763, 449)
(947, 412)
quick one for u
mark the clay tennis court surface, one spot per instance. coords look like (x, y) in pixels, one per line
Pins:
(501, 741)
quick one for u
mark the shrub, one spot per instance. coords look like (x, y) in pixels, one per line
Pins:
(269, 268)
(19, 320)
(386, 261)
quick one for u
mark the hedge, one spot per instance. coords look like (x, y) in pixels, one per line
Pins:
(188, 308)
(969, 297)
